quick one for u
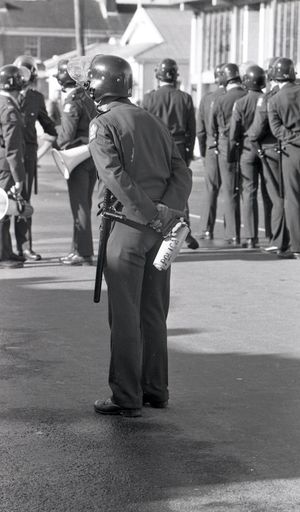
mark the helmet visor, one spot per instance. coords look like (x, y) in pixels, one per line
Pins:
(78, 69)
(25, 74)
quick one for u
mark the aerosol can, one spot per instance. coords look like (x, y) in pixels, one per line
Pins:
(171, 246)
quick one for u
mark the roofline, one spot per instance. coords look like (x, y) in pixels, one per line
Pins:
(57, 32)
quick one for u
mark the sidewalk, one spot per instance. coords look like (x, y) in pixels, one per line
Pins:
(228, 442)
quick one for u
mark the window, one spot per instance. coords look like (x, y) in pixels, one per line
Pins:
(32, 46)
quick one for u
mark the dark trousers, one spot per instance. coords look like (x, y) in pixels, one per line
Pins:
(212, 187)
(271, 172)
(6, 182)
(267, 205)
(186, 157)
(138, 297)
(80, 186)
(23, 227)
(250, 166)
(231, 195)
(291, 179)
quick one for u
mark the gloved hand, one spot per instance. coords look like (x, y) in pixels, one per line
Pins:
(165, 219)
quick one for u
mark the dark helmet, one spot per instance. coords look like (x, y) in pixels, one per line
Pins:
(13, 78)
(218, 73)
(230, 73)
(283, 70)
(63, 76)
(167, 71)
(255, 78)
(109, 75)
(269, 67)
(29, 62)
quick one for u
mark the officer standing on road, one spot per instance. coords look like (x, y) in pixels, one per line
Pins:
(208, 151)
(221, 115)
(78, 110)
(266, 145)
(33, 109)
(12, 170)
(284, 118)
(176, 109)
(138, 161)
(242, 151)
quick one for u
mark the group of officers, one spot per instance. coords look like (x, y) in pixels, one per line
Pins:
(249, 133)
(248, 130)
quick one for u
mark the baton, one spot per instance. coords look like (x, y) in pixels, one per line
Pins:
(103, 237)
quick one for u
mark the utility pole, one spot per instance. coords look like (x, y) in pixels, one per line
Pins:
(79, 29)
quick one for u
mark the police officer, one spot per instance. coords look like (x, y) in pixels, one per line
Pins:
(78, 110)
(284, 118)
(176, 109)
(221, 115)
(254, 81)
(33, 109)
(266, 145)
(139, 162)
(208, 151)
(12, 170)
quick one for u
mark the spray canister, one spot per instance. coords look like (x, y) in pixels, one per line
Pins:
(171, 246)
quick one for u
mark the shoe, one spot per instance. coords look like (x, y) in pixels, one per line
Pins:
(11, 264)
(68, 256)
(297, 255)
(286, 255)
(270, 248)
(191, 242)
(29, 254)
(75, 259)
(207, 235)
(250, 243)
(233, 241)
(109, 407)
(153, 402)
(16, 257)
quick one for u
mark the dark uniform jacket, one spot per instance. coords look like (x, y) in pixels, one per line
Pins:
(284, 114)
(222, 112)
(204, 131)
(11, 138)
(33, 108)
(242, 118)
(260, 131)
(78, 110)
(137, 160)
(175, 108)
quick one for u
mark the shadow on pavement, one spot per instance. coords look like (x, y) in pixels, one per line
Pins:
(233, 418)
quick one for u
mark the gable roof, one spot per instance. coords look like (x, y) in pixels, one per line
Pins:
(174, 27)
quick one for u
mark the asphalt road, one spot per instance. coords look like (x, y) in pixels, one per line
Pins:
(229, 440)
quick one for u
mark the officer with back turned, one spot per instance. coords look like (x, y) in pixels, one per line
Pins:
(33, 109)
(176, 109)
(250, 164)
(221, 115)
(208, 151)
(284, 119)
(12, 170)
(266, 145)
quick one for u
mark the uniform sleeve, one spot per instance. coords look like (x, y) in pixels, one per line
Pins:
(201, 127)
(260, 125)
(180, 182)
(110, 170)
(44, 119)
(278, 129)
(69, 122)
(14, 144)
(235, 132)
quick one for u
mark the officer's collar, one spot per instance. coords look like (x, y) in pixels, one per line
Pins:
(8, 95)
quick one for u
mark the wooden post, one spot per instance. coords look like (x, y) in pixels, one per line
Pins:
(79, 29)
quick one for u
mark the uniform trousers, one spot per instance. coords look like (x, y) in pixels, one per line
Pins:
(212, 187)
(267, 205)
(80, 186)
(185, 155)
(138, 296)
(231, 194)
(291, 180)
(6, 182)
(250, 165)
(23, 227)
(271, 172)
